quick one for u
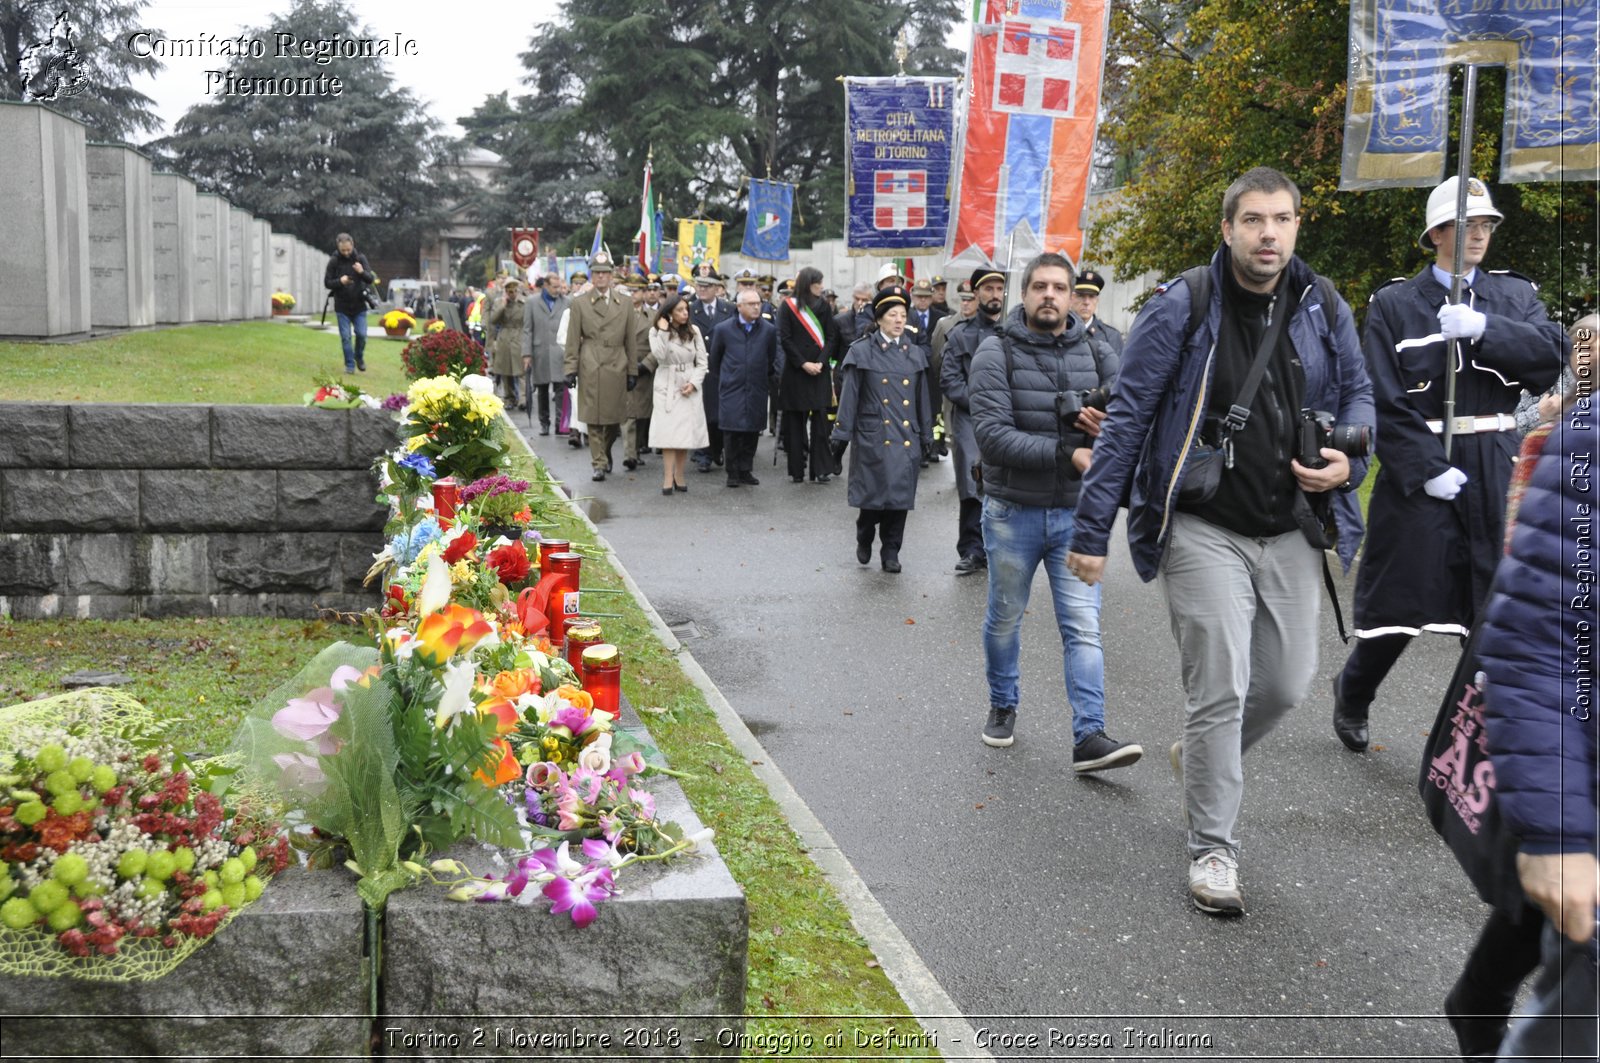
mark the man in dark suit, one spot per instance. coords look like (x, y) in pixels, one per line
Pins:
(706, 312)
(919, 328)
(743, 366)
(1086, 304)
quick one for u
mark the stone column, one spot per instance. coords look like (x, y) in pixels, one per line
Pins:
(238, 254)
(172, 207)
(210, 257)
(283, 268)
(44, 254)
(122, 262)
(262, 307)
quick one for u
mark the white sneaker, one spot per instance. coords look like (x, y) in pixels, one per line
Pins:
(1214, 884)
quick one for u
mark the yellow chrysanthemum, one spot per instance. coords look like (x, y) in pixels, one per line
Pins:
(461, 571)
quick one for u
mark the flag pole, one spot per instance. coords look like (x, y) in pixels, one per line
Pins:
(1469, 101)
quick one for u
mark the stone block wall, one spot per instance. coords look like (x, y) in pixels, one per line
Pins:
(113, 511)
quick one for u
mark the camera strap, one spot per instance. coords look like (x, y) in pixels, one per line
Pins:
(1239, 412)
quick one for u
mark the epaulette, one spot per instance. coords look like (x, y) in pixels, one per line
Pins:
(912, 328)
(1385, 284)
(1513, 273)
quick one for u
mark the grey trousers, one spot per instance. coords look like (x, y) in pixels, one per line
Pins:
(1244, 613)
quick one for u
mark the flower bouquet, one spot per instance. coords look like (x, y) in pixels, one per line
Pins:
(456, 424)
(397, 323)
(433, 324)
(334, 394)
(282, 303)
(117, 859)
(500, 504)
(443, 353)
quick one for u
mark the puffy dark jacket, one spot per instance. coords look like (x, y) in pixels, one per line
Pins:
(1156, 408)
(1021, 436)
(1538, 635)
(348, 299)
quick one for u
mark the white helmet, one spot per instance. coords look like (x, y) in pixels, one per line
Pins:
(889, 269)
(1442, 207)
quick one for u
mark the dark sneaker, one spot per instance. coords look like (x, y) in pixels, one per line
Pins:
(1099, 752)
(968, 565)
(1214, 884)
(997, 730)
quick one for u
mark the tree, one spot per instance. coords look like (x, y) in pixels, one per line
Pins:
(315, 163)
(1201, 92)
(106, 104)
(720, 90)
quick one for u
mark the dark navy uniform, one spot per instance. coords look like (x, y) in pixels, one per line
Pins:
(1428, 563)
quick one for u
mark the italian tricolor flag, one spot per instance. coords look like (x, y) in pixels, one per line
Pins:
(647, 227)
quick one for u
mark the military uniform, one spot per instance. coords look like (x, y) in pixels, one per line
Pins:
(603, 352)
(641, 400)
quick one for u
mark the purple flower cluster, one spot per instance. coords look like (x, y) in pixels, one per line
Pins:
(491, 486)
(394, 402)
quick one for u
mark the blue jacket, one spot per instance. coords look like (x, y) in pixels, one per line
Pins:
(1160, 401)
(1538, 648)
(740, 370)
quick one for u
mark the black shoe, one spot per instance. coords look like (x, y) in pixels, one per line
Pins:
(797, 479)
(746, 478)
(968, 565)
(863, 551)
(997, 729)
(630, 463)
(890, 562)
(609, 466)
(923, 464)
(734, 483)
(667, 491)
(1099, 752)
(703, 466)
(544, 429)
(1479, 1027)
(574, 442)
(1348, 723)
(718, 459)
(824, 478)
(599, 474)
(682, 489)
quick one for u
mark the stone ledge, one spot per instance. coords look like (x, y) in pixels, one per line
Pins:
(35, 435)
(158, 606)
(284, 978)
(278, 437)
(200, 500)
(76, 500)
(139, 436)
(674, 942)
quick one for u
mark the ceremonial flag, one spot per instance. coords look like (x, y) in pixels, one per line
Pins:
(699, 241)
(667, 257)
(598, 244)
(1032, 113)
(1397, 123)
(766, 225)
(900, 133)
(648, 236)
(524, 247)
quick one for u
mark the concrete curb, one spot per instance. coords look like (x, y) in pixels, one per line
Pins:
(929, 1003)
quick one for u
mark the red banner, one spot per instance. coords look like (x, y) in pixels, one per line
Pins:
(524, 247)
(1033, 111)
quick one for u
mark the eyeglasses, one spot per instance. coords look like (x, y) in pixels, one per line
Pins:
(1477, 226)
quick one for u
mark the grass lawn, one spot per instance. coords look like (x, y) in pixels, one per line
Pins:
(248, 362)
(201, 675)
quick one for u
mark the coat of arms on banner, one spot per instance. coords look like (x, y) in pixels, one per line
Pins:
(900, 199)
(1036, 70)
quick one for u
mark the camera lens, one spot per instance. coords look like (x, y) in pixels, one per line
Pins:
(1354, 440)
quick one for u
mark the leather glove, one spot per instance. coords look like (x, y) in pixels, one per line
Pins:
(633, 382)
(1447, 484)
(836, 448)
(1458, 321)
(572, 380)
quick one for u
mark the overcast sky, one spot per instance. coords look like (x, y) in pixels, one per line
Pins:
(464, 52)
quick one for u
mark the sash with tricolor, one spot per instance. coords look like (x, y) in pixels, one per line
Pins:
(808, 320)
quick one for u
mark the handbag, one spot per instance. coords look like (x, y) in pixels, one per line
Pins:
(1457, 783)
(1204, 463)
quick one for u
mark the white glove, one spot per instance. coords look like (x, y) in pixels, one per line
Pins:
(1458, 321)
(1447, 484)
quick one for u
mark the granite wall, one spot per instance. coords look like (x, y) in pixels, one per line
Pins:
(114, 511)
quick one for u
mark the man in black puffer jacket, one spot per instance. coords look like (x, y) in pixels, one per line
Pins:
(1037, 396)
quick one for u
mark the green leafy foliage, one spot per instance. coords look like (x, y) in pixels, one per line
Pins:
(362, 803)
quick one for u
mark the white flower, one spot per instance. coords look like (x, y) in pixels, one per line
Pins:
(457, 696)
(479, 383)
(596, 756)
(435, 593)
(699, 838)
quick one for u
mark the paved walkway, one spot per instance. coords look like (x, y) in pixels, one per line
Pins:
(1053, 909)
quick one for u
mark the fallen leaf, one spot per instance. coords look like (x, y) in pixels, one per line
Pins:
(910, 621)
(1379, 749)
(758, 762)
(873, 963)
(1320, 963)
(847, 712)
(657, 709)
(978, 805)
(771, 1005)
(716, 767)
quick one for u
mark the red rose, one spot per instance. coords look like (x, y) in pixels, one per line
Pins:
(510, 563)
(461, 547)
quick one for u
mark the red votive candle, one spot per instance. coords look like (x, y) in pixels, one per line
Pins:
(602, 677)
(582, 632)
(446, 497)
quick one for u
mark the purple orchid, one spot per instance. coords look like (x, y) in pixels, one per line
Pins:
(579, 896)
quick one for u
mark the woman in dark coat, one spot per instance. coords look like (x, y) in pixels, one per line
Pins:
(885, 419)
(808, 336)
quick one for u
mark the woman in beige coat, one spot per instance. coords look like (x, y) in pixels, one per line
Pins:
(678, 423)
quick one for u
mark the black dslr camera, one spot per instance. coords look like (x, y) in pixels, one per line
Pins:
(1318, 429)
(1070, 403)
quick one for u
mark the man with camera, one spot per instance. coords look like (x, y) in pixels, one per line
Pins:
(1037, 396)
(349, 279)
(1438, 517)
(1230, 515)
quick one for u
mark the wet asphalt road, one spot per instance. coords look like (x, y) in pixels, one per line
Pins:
(1054, 909)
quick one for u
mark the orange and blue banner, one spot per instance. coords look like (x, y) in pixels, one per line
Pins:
(1033, 105)
(1397, 124)
(900, 134)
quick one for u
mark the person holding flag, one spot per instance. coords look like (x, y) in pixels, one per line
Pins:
(809, 338)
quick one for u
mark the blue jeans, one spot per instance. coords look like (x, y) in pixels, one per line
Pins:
(354, 353)
(1017, 538)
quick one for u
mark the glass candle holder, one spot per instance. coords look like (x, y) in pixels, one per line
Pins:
(602, 677)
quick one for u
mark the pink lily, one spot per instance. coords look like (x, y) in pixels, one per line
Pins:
(308, 718)
(579, 896)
